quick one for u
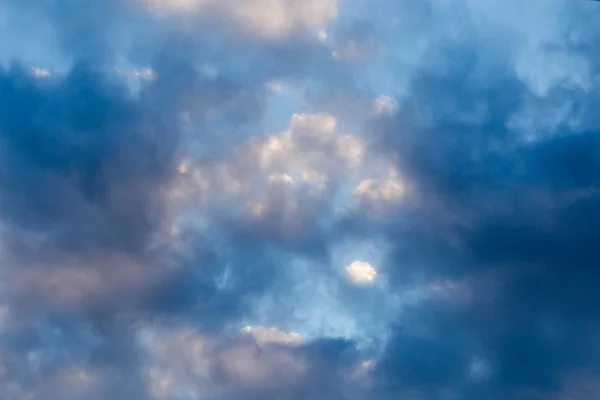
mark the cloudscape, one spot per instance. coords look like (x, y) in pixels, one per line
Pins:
(299, 200)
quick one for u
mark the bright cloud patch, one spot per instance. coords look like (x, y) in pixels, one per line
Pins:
(40, 72)
(264, 335)
(361, 272)
(270, 18)
(283, 178)
(377, 191)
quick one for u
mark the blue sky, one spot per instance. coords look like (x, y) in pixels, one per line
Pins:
(296, 200)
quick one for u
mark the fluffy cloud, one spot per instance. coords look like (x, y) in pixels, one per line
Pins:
(289, 177)
(361, 272)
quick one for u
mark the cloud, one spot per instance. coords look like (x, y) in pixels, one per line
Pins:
(40, 72)
(268, 18)
(379, 191)
(480, 177)
(198, 365)
(361, 272)
(301, 200)
(264, 335)
(384, 105)
(285, 181)
(183, 361)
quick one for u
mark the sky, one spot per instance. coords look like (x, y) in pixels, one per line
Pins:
(299, 199)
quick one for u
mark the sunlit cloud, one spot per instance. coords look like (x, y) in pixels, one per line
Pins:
(361, 272)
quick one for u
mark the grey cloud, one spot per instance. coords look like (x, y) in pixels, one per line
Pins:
(520, 214)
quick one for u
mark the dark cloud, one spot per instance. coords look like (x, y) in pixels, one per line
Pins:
(521, 214)
(86, 171)
(78, 157)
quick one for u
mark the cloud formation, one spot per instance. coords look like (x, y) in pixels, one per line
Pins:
(299, 200)
(268, 18)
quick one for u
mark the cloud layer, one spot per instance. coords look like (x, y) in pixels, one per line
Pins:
(299, 200)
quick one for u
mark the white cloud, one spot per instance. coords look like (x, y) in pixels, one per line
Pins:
(282, 178)
(379, 191)
(268, 18)
(266, 335)
(282, 175)
(144, 73)
(284, 182)
(39, 72)
(361, 272)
